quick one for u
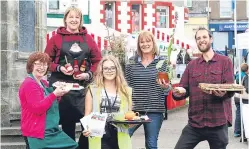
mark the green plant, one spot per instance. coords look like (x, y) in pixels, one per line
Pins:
(116, 47)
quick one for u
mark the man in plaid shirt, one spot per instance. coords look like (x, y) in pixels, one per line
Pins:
(210, 112)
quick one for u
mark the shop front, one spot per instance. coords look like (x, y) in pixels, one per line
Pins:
(223, 34)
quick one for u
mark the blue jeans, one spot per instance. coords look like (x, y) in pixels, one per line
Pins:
(151, 130)
(237, 124)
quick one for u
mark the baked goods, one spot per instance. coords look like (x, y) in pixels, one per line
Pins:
(68, 86)
(224, 87)
(180, 90)
(76, 85)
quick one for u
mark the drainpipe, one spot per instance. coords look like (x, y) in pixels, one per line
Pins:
(208, 13)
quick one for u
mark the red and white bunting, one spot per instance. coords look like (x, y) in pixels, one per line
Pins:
(162, 36)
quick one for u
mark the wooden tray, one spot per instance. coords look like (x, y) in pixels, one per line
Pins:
(218, 87)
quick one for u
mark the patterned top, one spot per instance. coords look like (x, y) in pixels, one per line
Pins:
(147, 95)
(207, 110)
(112, 101)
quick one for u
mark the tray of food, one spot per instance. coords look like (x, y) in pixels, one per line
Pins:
(130, 117)
(222, 87)
(130, 121)
(69, 86)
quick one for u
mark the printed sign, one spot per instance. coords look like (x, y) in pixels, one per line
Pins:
(230, 27)
(95, 123)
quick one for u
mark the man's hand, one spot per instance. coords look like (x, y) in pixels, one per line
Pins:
(179, 92)
(207, 91)
(219, 93)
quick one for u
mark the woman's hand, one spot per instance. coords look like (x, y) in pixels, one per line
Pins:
(86, 133)
(163, 83)
(132, 125)
(60, 91)
(65, 71)
(82, 76)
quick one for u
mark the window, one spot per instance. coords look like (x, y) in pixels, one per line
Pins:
(225, 8)
(188, 3)
(27, 19)
(135, 18)
(109, 14)
(53, 4)
(74, 3)
(162, 17)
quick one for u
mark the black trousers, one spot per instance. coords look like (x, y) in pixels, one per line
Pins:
(217, 137)
(108, 141)
(70, 113)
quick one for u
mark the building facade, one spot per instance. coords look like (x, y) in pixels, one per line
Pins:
(22, 33)
(123, 16)
(198, 16)
(120, 17)
(221, 22)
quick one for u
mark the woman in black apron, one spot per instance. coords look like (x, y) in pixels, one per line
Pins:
(72, 46)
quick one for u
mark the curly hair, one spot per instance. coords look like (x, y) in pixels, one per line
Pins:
(37, 56)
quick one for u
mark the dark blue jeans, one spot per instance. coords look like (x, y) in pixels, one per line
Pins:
(151, 130)
(237, 124)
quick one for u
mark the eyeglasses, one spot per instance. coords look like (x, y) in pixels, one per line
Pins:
(41, 65)
(111, 69)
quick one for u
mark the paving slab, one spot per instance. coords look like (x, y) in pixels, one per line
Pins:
(171, 131)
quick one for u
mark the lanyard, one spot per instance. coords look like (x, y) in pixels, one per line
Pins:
(109, 102)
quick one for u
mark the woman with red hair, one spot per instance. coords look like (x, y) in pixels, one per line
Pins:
(39, 107)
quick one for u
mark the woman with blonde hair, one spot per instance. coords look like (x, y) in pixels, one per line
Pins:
(109, 94)
(148, 92)
(75, 57)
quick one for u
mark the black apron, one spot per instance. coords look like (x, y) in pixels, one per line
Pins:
(72, 104)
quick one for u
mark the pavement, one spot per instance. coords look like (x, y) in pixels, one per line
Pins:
(171, 131)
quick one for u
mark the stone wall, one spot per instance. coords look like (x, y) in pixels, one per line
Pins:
(19, 37)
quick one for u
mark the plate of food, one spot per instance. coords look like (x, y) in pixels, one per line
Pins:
(222, 87)
(69, 86)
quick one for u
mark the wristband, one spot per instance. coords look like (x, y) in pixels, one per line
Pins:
(58, 68)
(90, 74)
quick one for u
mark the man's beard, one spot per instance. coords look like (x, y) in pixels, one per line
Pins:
(206, 49)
